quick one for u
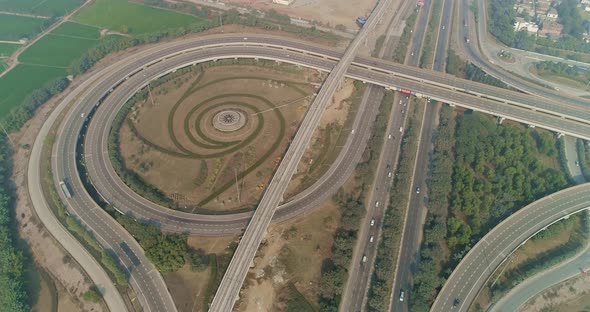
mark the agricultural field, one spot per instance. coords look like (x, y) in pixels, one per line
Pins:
(62, 46)
(203, 131)
(21, 81)
(13, 28)
(49, 8)
(6, 49)
(132, 18)
(3, 66)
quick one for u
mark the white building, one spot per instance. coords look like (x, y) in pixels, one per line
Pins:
(520, 24)
(283, 2)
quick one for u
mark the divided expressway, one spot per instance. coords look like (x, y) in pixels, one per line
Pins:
(111, 88)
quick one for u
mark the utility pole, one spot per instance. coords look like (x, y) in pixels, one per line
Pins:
(7, 136)
(150, 94)
(237, 185)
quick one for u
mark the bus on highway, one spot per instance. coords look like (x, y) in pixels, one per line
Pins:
(65, 189)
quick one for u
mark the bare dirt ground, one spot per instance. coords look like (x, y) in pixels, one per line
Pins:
(189, 288)
(291, 253)
(572, 295)
(336, 113)
(177, 176)
(327, 12)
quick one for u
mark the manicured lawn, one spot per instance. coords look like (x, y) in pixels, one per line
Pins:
(39, 7)
(77, 30)
(132, 18)
(21, 81)
(14, 27)
(6, 49)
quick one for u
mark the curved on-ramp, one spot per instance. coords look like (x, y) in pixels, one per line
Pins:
(493, 249)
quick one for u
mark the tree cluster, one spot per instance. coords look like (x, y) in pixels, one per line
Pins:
(480, 173)
(462, 69)
(570, 18)
(168, 252)
(13, 295)
(584, 158)
(335, 269)
(428, 277)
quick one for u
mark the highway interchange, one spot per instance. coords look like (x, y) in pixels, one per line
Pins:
(129, 75)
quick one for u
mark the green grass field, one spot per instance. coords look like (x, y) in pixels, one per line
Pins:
(126, 17)
(21, 81)
(14, 27)
(40, 7)
(54, 50)
(3, 66)
(6, 49)
(77, 30)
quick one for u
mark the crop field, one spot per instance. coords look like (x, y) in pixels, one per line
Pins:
(74, 29)
(184, 142)
(62, 46)
(3, 66)
(14, 27)
(6, 49)
(132, 18)
(40, 7)
(21, 81)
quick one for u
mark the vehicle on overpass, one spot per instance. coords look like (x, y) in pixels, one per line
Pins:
(361, 20)
(65, 189)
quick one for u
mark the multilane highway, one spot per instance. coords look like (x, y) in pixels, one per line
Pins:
(133, 73)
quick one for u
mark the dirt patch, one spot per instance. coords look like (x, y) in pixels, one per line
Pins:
(188, 288)
(172, 139)
(572, 295)
(318, 156)
(292, 253)
(325, 12)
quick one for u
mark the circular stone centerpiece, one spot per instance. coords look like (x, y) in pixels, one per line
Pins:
(229, 120)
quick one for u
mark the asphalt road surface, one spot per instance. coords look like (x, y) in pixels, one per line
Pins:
(412, 237)
(462, 287)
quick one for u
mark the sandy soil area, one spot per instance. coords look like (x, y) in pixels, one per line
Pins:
(287, 90)
(571, 295)
(291, 253)
(326, 12)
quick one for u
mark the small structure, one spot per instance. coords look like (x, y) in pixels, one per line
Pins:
(520, 24)
(552, 30)
(283, 2)
(361, 20)
(552, 14)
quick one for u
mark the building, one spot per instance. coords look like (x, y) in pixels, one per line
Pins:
(520, 24)
(552, 14)
(283, 2)
(551, 30)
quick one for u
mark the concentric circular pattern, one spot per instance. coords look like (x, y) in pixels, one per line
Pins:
(217, 132)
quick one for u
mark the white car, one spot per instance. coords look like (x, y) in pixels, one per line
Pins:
(401, 129)
(401, 296)
(389, 174)
(376, 204)
(364, 259)
(371, 239)
(389, 136)
(372, 222)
